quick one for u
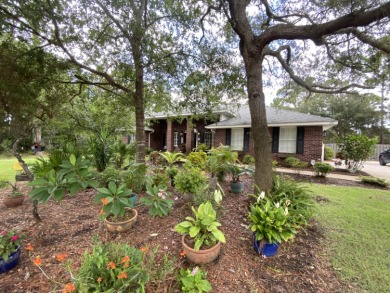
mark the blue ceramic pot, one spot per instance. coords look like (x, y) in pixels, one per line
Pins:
(236, 187)
(11, 262)
(264, 248)
(133, 199)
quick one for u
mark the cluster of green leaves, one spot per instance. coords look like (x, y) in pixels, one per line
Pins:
(248, 160)
(294, 162)
(194, 281)
(270, 221)
(115, 199)
(375, 181)
(203, 228)
(328, 153)
(299, 198)
(198, 159)
(322, 169)
(356, 149)
(73, 175)
(190, 180)
(159, 176)
(236, 170)
(9, 242)
(218, 160)
(158, 200)
(111, 268)
(172, 158)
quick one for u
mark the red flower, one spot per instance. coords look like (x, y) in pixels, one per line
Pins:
(122, 275)
(99, 279)
(68, 288)
(15, 237)
(111, 265)
(3, 232)
(29, 247)
(61, 256)
(183, 253)
(144, 249)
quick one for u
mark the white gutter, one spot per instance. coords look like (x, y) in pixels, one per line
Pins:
(326, 125)
(149, 138)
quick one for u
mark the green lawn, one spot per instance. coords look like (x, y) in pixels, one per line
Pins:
(357, 225)
(7, 166)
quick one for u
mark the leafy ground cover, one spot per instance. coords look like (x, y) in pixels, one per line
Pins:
(357, 230)
(301, 265)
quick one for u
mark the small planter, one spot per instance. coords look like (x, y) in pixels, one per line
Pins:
(12, 261)
(201, 256)
(264, 248)
(13, 201)
(133, 198)
(122, 226)
(236, 186)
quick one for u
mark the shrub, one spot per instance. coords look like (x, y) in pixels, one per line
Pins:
(134, 176)
(218, 160)
(110, 174)
(328, 153)
(111, 267)
(356, 149)
(159, 177)
(197, 159)
(202, 147)
(375, 181)
(248, 160)
(292, 162)
(322, 169)
(190, 179)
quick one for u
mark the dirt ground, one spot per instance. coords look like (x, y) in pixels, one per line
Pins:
(301, 265)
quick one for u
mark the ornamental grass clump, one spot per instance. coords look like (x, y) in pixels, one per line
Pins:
(9, 241)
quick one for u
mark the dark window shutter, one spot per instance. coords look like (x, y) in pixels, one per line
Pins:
(178, 139)
(300, 139)
(275, 139)
(202, 137)
(228, 136)
(247, 132)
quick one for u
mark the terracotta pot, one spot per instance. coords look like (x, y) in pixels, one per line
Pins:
(122, 226)
(13, 201)
(201, 256)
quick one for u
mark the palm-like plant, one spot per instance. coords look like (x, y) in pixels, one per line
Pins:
(172, 158)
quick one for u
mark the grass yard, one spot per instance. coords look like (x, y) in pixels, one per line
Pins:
(357, 229)
(7, 166)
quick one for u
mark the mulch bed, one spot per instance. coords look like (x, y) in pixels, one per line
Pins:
(301, 265)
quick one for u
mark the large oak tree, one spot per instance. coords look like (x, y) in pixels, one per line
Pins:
(281, 32)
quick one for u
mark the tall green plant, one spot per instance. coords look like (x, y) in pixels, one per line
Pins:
(356, 149)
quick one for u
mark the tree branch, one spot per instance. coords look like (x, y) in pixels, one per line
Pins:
(310, 87)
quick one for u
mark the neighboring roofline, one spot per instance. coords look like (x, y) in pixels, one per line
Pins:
(326, 124)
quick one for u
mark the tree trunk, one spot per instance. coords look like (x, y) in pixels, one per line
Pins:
(261, 137)
(30, 177)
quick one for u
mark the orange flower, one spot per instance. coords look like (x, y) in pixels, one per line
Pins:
(29, 247)
(111, 265)
(37, 261)
(102, 212)
(125, 259)
(122, 275)
(68, 288)
(61, 256)
(99, 279)
(104, 200)
(183, 253)
(144, 249)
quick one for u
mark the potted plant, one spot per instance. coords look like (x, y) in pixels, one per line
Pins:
(13, 199)
(117, 210)
(236, 185)
(270, 225)
(201, 239)
(188, 181)
(9, 250)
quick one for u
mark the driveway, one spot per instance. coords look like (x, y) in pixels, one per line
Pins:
(374, 169)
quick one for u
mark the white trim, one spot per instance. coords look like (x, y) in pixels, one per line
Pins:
(172, 115)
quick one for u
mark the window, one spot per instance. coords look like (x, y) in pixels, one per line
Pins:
(237, 139)
(208, 139)
(288, 140)
(175, 139)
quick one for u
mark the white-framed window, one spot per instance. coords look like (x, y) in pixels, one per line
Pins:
(237, 139)
(288, 140)
(209, 138)
(175, 139)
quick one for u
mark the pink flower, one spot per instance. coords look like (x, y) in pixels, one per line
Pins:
(3, 233)
(13, 238)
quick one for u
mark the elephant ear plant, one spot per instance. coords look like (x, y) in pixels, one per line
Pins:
(203, 229)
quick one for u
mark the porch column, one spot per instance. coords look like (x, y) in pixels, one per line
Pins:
(169, 136)
(189, 136)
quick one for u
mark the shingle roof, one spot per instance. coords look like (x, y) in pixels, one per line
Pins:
(275, 117)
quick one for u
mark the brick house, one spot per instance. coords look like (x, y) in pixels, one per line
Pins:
(293, 134)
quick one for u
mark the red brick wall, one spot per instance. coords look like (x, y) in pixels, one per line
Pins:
(312, 149)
